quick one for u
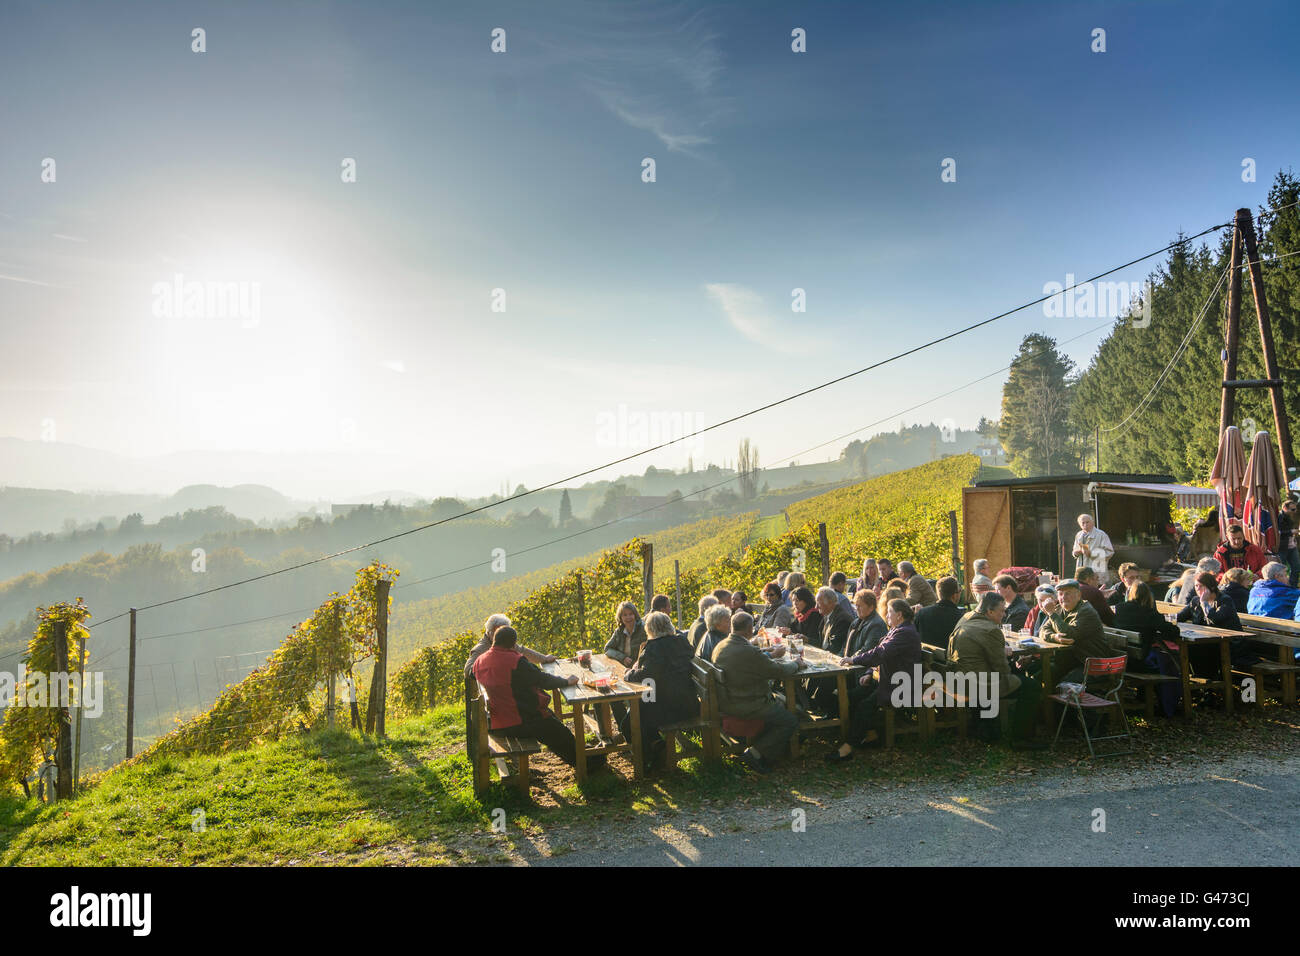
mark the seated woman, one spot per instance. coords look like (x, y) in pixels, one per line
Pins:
(899, 651)
(865, 632)
(1137, 612)
(625, 645)
(664, 664)
(1179, 588)
(776, 613)
(1213, 608)
(1045, 604)
(516, 700)
(1236, 583)
(807, 619)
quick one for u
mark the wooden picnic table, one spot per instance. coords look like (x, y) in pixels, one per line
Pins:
(579, 697)
(1044, 650)
(1189, 634)
(820, 663)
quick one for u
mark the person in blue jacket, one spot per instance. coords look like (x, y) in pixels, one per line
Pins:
(1272, 595)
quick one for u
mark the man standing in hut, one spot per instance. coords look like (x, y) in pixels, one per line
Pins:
(1092, 549)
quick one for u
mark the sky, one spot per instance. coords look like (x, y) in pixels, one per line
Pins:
(501, 297)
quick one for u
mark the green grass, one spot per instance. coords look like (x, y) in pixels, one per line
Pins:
(773, 526)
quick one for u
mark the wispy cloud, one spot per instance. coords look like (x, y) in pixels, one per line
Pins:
(67, 238)
(748, 315)
(656, 69)
(26, 281)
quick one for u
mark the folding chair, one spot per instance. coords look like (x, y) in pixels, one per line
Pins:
(1106, 669)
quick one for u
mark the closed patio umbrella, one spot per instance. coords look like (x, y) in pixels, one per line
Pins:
(1264, 491)
(1228, 476)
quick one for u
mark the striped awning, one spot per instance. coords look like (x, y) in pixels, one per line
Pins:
(1187, 496)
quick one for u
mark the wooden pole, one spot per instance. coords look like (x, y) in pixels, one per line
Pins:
(824, 548)
(677, 584)
(1247, 228)
(81, 692)
(582, 612)
(647, 574)
(63, 753)
(333, 665)
(130, 692)
(956, 551)
(1228, 406)
(380, 679)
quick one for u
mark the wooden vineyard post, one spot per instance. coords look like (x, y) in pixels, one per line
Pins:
(130, 692)
(81, 706)
(63, 752)
(647, 575)
(379, 679)
(677, 584)
(956, 550)
(582, 611)
(332, 667)
(824, 546)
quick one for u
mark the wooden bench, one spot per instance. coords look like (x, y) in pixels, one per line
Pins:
(708, 724)
(708, 678)
(1143, 684)
(1283, 637)
(485, 748)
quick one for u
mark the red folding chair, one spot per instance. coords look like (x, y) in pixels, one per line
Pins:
(1103, 669)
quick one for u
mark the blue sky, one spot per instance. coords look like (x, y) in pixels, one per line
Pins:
(375, 341)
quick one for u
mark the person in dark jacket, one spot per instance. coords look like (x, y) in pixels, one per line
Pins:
(1087, 578)
(1236, 584)
(832, 639)
(1017, 611)
(701, 627)
(746, 692)
(807, 619)
(869, 627)
(1214, 608)
(935, 623)
(516, 702)
(1138, 613)
(494, 622)
(719, 622)
(899, 652)
(664, 664)
(1129, 573)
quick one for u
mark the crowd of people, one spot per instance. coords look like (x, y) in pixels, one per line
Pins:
(881, 621)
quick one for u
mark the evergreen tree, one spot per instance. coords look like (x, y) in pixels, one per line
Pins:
(566, 508)
(1036, 427)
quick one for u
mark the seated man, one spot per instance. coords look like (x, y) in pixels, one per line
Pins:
(1075, 623)
(1273, 596)
(840, 581)
(1017, 611)
(746, 692)
(719, 620)
(935, 623)
(833, 639)
(517, 704)
(1129, 574)
(977, 647)
(700, 627)
(664, 605)
(1237, 552)
(1088, 587)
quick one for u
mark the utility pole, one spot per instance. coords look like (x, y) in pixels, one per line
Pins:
(1244, 236)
